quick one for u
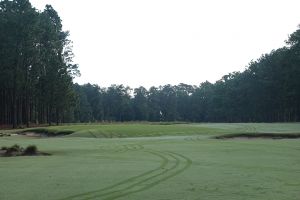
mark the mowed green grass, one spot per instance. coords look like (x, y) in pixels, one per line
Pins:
(120, 130)
(182, 161)
(123, 130)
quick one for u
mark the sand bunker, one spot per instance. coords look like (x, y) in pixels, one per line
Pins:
(260, 135)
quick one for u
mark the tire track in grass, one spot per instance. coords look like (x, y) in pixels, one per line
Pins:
(171, 164)
(145, 182)
(111, 192)
(154, 180)
(92, 134)
(163, 163)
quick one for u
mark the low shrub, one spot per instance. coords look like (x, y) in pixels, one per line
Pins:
(16, 150)
(3, 148)
(30, 150)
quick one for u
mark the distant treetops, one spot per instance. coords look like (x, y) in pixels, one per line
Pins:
(37, 71)
(267, 91)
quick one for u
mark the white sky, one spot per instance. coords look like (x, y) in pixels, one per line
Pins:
(156, 42)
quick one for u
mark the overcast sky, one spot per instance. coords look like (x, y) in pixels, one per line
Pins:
(156, 42)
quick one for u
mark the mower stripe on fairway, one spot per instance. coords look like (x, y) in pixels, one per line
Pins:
(171, 165)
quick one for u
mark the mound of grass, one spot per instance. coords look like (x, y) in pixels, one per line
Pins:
(130, 130)
(156, 129)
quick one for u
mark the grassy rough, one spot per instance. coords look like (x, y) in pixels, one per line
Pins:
(186, 165)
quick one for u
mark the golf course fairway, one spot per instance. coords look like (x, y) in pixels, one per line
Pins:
(154, 162)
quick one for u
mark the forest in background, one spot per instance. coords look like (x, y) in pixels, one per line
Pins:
(36, 82)
(36, 65)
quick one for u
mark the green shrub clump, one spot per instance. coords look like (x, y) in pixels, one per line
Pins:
(16, 150)
(13, 150)
(30, 150)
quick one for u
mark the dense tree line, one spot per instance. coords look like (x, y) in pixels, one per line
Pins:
(267, 91)
(36, 82)
(35, 64)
